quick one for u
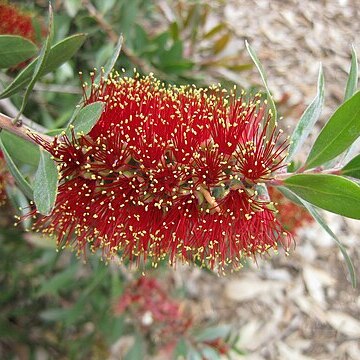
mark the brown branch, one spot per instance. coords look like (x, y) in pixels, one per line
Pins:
(11, 109)
(6, 123)
(210, 199)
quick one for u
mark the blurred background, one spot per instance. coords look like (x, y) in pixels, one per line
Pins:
(298, 307)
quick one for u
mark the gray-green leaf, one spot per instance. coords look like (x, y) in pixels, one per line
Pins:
(315, 214)
(59, 54)
(20, 149)
(262, 73)
(24, 186)
(308, 119)
(342, 129)
(352, 81)
(86, 119)
(14, 50)
(41, 62)
(45, 184)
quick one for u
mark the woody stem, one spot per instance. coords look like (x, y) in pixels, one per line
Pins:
(18, 129)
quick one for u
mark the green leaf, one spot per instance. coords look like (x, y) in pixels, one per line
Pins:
(45, 184)
(59, 54)
(213, 333)
(264, 79)
(193, 354)
(68, 316)
(137, 351)
(58, 282)
(15, 172)
(330, 192)
(181, 349)
(20, 149)
(342, 129)
(307, 120)
(112, 61)
(86, 119)
(209, 353)
(14, 50)
(290, 195)
(315, 214)
(352, 168)
(41, 62)
(352, 81)
(20, 204)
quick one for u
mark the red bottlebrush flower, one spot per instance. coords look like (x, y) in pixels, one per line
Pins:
(160, 318)
(168, 171)
(292, 217)
(15, 22)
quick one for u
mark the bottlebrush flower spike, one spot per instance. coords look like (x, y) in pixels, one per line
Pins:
(160, 317)
(168, 172)
(15, 22)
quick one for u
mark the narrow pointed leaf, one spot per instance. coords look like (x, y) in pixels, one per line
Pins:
(315, 214)
(351, 88)
(20, 203)
(307, 120)
(213, 31)
(264, 79)
(59, 54)
(290, 195)
(352, 168)
(342, 129)
(23, 185)
(221, 43)
(112, 61)
(14, 50)
(352, 81)
(86, 119)
(45, 184)
(41, 62)
(105, 72)
(330, 192)
(215, 332)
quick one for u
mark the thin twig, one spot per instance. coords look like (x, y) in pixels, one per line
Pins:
(20, 130)
(210, 199)
(12, 110)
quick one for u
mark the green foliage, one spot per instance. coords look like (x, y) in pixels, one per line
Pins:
(264, 79)
(15, 172)
(59, 54)
(14, 50)
(67, 304)
(352, 81)
(41, 61)
(19, 149)
(329, 192)
(308, 119)
(318, 218)
(85, 119)
(342, 129)
(352, 168)
(45, 184)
